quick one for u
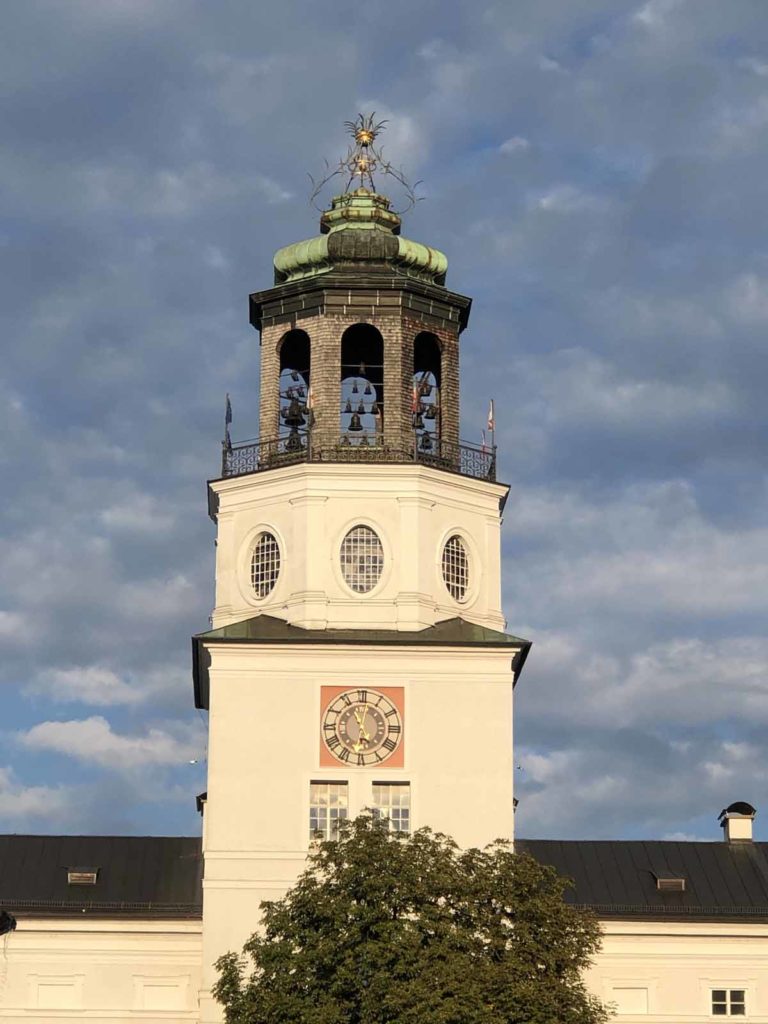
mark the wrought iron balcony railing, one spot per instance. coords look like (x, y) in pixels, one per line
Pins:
(242, 457)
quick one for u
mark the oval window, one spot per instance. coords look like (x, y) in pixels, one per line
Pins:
(456, 568)
(362, 559)
(265, 564)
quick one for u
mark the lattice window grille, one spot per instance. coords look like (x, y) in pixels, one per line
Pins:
(456, 568)
(265, 564)
(728, 1002)
(362, 559)
(393, 801)
(328, 805)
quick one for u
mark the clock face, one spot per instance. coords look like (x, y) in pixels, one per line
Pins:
(362, 727)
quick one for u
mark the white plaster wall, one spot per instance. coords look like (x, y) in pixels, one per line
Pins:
(264, 750)
(671, 967)
(310, 507)
(54, 969)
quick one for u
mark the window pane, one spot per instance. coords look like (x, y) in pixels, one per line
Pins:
(328, 804)
(393, 801)
(737, 995)
(718, 1009)
(362, 559)
(265, 564)
(456, 568)
(718, 995)
(737, 1009)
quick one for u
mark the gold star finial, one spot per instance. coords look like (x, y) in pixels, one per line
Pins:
(363, 159)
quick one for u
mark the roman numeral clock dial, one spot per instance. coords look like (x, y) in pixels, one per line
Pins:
(362, 727)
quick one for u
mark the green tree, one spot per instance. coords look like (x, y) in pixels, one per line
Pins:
(386, 928)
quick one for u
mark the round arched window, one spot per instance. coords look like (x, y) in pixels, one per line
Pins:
(456, 568)
(265, 564)
(362, 559)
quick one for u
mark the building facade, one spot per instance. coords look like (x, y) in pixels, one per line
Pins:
(358, 658)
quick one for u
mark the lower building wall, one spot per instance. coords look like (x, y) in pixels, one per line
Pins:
(54, 969)
(129, 970)
(667, 970)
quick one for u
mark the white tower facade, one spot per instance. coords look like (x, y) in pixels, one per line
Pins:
(357, 658)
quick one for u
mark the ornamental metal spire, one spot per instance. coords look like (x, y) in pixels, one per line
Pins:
(362, 160)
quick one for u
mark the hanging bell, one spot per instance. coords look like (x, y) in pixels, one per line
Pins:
(430, 413)
(348, 407)
(362, 369)
(293, 444)
(293, 416)
(361, 408)
(426, 442)
(294, 375)
(344, 440)
(302, 393)
(355, 425)
(355, 390)
(375, 409)
(418, 422)
(368, 389)
(364, 441)
(426, 390)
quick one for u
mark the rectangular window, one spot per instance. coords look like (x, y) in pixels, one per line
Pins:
(393, 800)
(728, 1002)
(328, 804)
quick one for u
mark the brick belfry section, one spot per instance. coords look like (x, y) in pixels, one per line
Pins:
(360, 271)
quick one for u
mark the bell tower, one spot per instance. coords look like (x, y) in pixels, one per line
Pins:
(357, 657)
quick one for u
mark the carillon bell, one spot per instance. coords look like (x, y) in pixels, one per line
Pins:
(293, 444)
(363, 441)
(361, 407)
(374, 409)
(292, 415)
(294, 375)
(431, 412)
(368, 389)
(302, 393)
(426, 442)
(348, 407)
(418, 422)
(426, 390)
(355, 425)
(344, 440)
(355, 389)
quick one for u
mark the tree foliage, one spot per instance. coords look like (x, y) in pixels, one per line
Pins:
(386, 928)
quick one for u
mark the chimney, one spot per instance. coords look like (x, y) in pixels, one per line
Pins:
(736, 822)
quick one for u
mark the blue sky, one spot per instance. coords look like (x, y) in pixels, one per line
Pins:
(597, 173)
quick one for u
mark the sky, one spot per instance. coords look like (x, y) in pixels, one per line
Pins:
(596, 172)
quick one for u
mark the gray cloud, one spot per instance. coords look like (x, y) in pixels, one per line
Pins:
(596, 172)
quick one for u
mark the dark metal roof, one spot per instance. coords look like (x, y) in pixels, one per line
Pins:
(618, 878)
(157, 876)
(267, 629)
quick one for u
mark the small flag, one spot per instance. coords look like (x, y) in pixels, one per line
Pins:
(491, 418)
(227, 421)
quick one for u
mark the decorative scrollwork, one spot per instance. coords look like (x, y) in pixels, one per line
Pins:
(363, 159)
(245, 457)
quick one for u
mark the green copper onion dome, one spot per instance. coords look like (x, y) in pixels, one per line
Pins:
(359, 233)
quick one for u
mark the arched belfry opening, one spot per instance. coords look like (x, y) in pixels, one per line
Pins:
(427, 383)
(294, 387)
(361, 418)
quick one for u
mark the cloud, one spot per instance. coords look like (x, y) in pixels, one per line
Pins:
(21, 804)
(92, 740)
(597, 175)
(103, 687)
